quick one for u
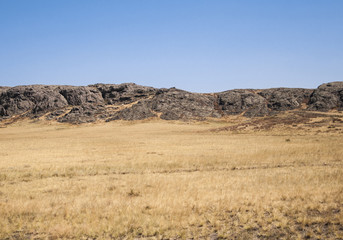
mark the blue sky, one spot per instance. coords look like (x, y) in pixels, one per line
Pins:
(196, 45)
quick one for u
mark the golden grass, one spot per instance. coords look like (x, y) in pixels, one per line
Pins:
(159, 179)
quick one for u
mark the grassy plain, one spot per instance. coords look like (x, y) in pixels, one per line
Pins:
(159, 179)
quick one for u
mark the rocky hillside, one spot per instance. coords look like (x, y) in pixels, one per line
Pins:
(128, 101)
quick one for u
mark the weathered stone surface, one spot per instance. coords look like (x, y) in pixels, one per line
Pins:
(83, 114)
(32, 100)
(77, 96)
(3, 89)
(124, 93)
(242, 101)
(138, 111)
(129, 101)
(177, 104)
(55, 114)
(283, 99)
(326, 97)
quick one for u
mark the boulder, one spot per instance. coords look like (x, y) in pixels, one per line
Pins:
(326, 97)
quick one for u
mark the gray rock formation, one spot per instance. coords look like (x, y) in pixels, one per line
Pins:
(174, 104)
(3, 89)
(283, 99)
(32, 100)
(77, 96)
(123, 93)
(326, 97)
(82, 114)
(243, 101)
(128, 101)
(138, 111)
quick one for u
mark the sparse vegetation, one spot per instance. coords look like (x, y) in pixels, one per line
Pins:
(158, 179)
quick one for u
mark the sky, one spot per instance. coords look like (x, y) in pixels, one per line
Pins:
(195, 45)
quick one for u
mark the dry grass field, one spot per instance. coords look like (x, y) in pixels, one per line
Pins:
(170, 180)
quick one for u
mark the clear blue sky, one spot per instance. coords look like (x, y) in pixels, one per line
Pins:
(196, 45)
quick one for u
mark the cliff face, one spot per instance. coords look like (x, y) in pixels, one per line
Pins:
(129, 101)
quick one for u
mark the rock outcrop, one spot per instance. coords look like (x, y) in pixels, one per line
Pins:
(77, 96)
(243, 101)
(327, 96)
(114, 94)
(174, 104)
(2, 89)
(283, 99)
(139, 111)
(31, 100)
(128, 101)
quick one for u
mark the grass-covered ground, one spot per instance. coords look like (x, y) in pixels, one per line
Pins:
(159, 179)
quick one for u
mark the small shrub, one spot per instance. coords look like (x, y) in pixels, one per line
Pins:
(3, 177)
(133, 193)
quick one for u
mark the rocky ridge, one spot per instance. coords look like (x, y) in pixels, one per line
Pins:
(128, 101)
